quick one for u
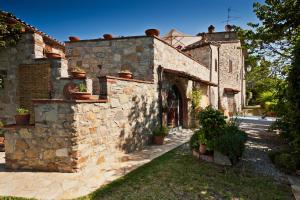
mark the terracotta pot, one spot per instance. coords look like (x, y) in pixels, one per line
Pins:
(22, 119)
(152, 32)
(81, 95)
(78, 74)
(53, 55)
(1, 140)
(127, 75)
(159, 140)
(74, 39)
(108, 36)
(202, 148)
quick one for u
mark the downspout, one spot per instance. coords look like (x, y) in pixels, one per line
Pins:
(159, 73)
(242, 80)
(210, 75)
(219, 98)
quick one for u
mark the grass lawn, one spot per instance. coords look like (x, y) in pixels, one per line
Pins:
(178, 175)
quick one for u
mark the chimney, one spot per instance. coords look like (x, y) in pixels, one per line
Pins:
(211, 29)
(228, 28)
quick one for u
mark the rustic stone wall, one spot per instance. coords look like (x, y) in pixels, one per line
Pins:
(69, 136)
(107, 57)
(231, 51)
(47, 146)
(124, 124)
(171, 58)
(29, 50)
(10, 58)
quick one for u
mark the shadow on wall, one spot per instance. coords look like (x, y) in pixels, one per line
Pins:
(142, 119)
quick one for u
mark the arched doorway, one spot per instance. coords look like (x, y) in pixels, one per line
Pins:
(175, 105)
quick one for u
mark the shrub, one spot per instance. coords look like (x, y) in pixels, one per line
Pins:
(194, 141)
(202, 137)
(231, 143)
(161, 131)
(286, 162)
(212, 121)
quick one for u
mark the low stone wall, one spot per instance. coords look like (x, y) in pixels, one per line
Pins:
(71, 135)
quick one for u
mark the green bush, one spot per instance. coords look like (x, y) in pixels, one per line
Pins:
(212, 121)
(194, 141)
(231, 143)
(286, 162)
(161, 131)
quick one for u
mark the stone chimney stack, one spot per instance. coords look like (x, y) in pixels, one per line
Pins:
(211, 29)
(228, 28)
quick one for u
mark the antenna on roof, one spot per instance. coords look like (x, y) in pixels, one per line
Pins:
(229, 17)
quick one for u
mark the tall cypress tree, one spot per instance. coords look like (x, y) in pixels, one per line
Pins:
(293, 92)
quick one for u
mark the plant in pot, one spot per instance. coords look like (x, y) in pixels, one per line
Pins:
(125, 73)
(159, 134)
(77, 72)
(22, 117)
(202, 141)
(81, 93)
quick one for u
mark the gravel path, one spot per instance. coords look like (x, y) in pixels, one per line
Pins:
(260, 142)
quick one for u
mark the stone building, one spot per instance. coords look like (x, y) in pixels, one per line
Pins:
(68, 135)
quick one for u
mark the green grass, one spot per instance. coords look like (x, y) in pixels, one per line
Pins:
(178, 175)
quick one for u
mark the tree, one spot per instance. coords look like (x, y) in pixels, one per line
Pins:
(276, 34)
(293, 96)
(9, 33)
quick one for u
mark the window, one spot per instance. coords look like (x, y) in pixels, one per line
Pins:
(230, 66)
(216, 65)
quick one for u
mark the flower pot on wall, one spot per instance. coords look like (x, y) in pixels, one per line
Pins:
(76, 74)
(107, 36)
(53, 55)
(125, 74)
(202, 148)
(74, 39)
(22, 119)
(152, 32)
(159, 140)
(81, 95)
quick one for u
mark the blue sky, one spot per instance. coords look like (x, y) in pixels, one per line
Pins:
(92, 18)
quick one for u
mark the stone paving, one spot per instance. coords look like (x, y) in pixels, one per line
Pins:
(52, 185)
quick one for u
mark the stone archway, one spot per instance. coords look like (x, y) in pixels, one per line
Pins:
(177, 114)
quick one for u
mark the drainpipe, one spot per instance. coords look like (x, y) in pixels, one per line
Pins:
(160, 73)
(210, 74)
(219, 98)
(242, 80)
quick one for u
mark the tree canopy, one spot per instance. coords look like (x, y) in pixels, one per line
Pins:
(9, 33)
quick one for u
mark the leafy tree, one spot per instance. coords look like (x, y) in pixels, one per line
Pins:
(9, 33)
(293, 96)
(276, 34)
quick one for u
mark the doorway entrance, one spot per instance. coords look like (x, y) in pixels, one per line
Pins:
(175, 112)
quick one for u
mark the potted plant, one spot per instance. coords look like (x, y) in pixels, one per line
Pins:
(82, 93)
(74, 39)
(77, 72)
(159, 134)
(152, 32)
(108, 36)
(22, 117)
(125, 74)
(202, 141)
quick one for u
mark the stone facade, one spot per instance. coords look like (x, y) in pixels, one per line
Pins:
(29, 50)
(69, 136)
(108, 57)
